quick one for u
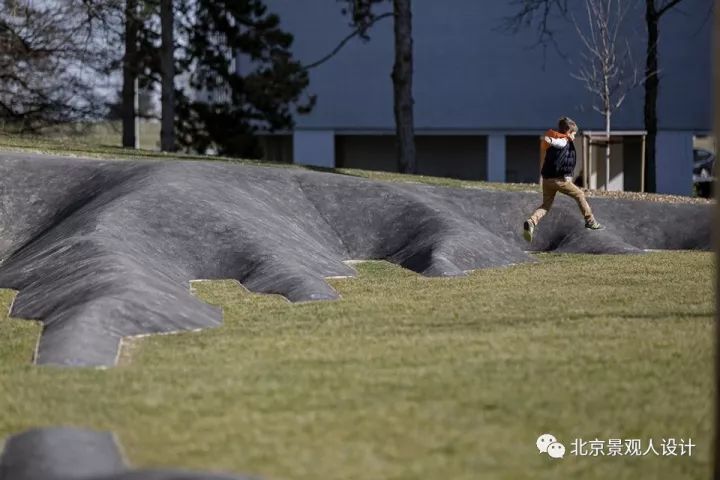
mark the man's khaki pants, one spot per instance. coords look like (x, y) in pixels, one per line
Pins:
(550, 187)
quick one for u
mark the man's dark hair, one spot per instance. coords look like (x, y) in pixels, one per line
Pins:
(567, 124)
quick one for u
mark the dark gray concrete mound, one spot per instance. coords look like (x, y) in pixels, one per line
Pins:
(76, 454)
(100, 250)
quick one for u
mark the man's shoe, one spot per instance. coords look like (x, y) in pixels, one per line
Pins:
(528, 230)
(593, 225)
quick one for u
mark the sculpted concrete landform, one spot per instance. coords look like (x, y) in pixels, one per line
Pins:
(77, 454)
(100, 250)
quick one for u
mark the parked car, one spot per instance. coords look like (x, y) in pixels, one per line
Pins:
(703, 172)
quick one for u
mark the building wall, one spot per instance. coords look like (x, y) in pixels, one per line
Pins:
(277, 148)
(314, 147)
(457, 156)
(632, 163)
(674, 158)
(366, 152)
(470, 74)
(523, 158)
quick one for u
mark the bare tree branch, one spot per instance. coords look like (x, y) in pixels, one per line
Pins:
(608, 70)
(661, 11)
(361, 30)
(50, 53)
(538, 13)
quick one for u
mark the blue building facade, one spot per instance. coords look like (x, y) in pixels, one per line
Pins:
(483, 94)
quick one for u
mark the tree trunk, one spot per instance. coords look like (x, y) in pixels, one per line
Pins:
(129, 89)
(651, 93)
(402, 86)
(167, 65)
(607, 150)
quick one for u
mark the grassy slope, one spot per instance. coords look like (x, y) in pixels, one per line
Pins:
(101, 144)
(407, 377)
(100, 141)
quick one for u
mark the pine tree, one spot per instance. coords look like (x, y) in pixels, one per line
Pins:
(241, 77)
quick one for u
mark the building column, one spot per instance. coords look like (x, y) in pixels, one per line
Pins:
(496, 166)
(314, 147)
(674, 162)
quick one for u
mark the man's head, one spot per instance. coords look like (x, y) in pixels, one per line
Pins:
(568, 126)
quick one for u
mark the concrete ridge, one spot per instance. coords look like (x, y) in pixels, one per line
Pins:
(65, 453)
(104, 250)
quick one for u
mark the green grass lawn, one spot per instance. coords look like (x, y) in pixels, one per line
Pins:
(407, 377)
(94, 136)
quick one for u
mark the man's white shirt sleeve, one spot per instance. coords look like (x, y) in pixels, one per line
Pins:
(557, 142)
